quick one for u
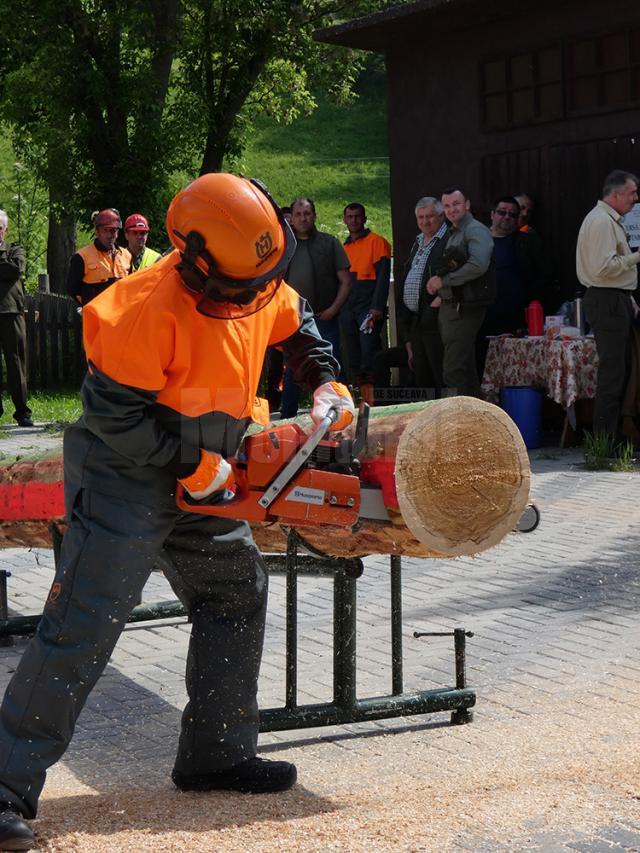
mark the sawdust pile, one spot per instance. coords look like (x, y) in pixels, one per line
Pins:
(424, 789)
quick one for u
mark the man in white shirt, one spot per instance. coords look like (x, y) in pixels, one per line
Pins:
(608, 268)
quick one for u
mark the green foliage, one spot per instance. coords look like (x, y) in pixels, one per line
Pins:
(335, 155)
(83, 90)
(603, 453)
(121, 102)
(107, 98)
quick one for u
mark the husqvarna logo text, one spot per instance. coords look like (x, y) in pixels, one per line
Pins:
(306, 496)
(264, 245)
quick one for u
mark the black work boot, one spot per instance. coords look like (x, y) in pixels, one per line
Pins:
(15, 832)
(253, 776)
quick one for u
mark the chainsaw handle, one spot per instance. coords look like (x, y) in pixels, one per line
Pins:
(330, 418)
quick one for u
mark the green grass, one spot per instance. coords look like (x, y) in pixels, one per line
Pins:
(336, 155)
(603, 453)
(50, 407)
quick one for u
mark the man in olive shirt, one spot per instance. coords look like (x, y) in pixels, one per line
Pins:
(319, 272)
(466, 285)
(608, 268)
(13, 330)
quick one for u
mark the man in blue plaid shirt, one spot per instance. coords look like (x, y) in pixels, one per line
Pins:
(417, 312)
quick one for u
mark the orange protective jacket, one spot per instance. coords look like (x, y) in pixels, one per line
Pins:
(93, 270)
(165, 380)
(370, 266)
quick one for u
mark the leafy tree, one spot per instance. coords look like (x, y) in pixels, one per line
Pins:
(84, 84)
(238, 58)
(107, 99)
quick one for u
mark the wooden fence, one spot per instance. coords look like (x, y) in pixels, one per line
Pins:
(54, 342)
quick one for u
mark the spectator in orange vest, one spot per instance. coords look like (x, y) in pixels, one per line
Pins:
(362, 316)
(96, 266)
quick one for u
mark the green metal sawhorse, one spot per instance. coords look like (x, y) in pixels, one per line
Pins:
(345, 706)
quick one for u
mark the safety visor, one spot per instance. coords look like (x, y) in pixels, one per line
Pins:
(222, 302)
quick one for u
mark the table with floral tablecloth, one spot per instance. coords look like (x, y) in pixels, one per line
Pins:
(565, 370)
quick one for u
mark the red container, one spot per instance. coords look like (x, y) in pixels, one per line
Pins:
(535, 319)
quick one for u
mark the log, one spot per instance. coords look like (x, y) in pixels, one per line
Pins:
(461, 474)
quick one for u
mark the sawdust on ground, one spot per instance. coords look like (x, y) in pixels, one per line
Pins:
(551, 767)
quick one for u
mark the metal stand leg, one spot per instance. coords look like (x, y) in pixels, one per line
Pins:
(291, 675)
(344, 641)
(4, 605)
(461, 714)
(396, 625)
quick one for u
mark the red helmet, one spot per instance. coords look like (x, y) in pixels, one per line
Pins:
(107, 218)
(230, 229)
(136, 222)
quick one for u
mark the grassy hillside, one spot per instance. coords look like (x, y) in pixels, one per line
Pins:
(336, 155)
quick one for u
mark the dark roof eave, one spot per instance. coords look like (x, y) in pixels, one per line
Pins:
(372, 32)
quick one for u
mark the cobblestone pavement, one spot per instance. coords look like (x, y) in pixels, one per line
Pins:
(554, 653)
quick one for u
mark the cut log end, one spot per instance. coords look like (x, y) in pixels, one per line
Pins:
(462, 476)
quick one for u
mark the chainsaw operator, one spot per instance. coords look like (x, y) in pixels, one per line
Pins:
(174, 356)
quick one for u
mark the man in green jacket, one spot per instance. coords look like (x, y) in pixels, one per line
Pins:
(466, 285)
(13, 329)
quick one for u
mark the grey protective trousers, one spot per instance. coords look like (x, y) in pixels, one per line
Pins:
(107, 554)
(459, 327)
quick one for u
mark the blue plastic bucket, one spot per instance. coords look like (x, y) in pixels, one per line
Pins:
(524, 407)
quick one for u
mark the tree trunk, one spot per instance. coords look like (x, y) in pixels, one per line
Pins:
(461, 474)
(61, 244)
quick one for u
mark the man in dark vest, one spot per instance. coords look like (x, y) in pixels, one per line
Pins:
(466, 284)
(319, 272)
(13, 330)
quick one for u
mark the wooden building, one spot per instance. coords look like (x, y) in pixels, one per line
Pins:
(503, 97)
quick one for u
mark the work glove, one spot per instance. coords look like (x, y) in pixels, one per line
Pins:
(212, 474)
(333, 395)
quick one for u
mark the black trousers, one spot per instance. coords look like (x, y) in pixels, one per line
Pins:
(13, 345)
(108, 551)
(610, 315)
(427, 349)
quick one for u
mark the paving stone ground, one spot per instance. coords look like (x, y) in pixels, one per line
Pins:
(554, 660)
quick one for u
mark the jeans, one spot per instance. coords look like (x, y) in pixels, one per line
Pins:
(330, 331)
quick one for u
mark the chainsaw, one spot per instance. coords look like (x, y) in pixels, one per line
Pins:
(288, 476)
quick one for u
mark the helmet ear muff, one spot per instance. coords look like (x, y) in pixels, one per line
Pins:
(194, 248)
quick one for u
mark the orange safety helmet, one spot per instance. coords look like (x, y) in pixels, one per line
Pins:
(230, 230)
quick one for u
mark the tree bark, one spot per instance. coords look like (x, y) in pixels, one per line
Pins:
(461, 475)
(61, 244)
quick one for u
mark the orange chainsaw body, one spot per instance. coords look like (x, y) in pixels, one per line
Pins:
(313, 495)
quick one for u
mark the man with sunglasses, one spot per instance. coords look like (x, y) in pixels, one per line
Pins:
(520, 274)
(96, 266)
(520, 270)
(175, 355)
